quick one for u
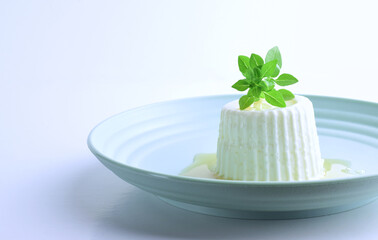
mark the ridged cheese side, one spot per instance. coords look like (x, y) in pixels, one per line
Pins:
(278, 144)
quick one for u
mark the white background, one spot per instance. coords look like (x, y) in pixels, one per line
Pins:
(67, 65)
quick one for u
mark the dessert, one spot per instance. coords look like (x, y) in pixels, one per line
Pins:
(268, 134)
(276, 138)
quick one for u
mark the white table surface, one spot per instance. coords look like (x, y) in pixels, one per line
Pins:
(66, 66)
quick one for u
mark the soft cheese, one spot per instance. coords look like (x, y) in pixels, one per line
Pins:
(269, 143)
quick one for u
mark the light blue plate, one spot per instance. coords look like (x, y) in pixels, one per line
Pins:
(150, 145)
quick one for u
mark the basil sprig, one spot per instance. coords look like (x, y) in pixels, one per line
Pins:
(261, 78)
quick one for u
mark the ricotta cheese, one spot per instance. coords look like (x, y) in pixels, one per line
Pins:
(266, 143)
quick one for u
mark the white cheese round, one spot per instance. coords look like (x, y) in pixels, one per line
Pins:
(270, 144)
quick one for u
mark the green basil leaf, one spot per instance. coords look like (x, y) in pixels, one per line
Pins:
(253, 76)
(268, 69)
(267, 84)
(286, 79)
(257, 72)
(241, 85)
(274, 54)
(286, 94)
(275, 98)
(243, 62)
(276, 71)
(255, 92)
(245, 101)
(249, 74)
(255, 61)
